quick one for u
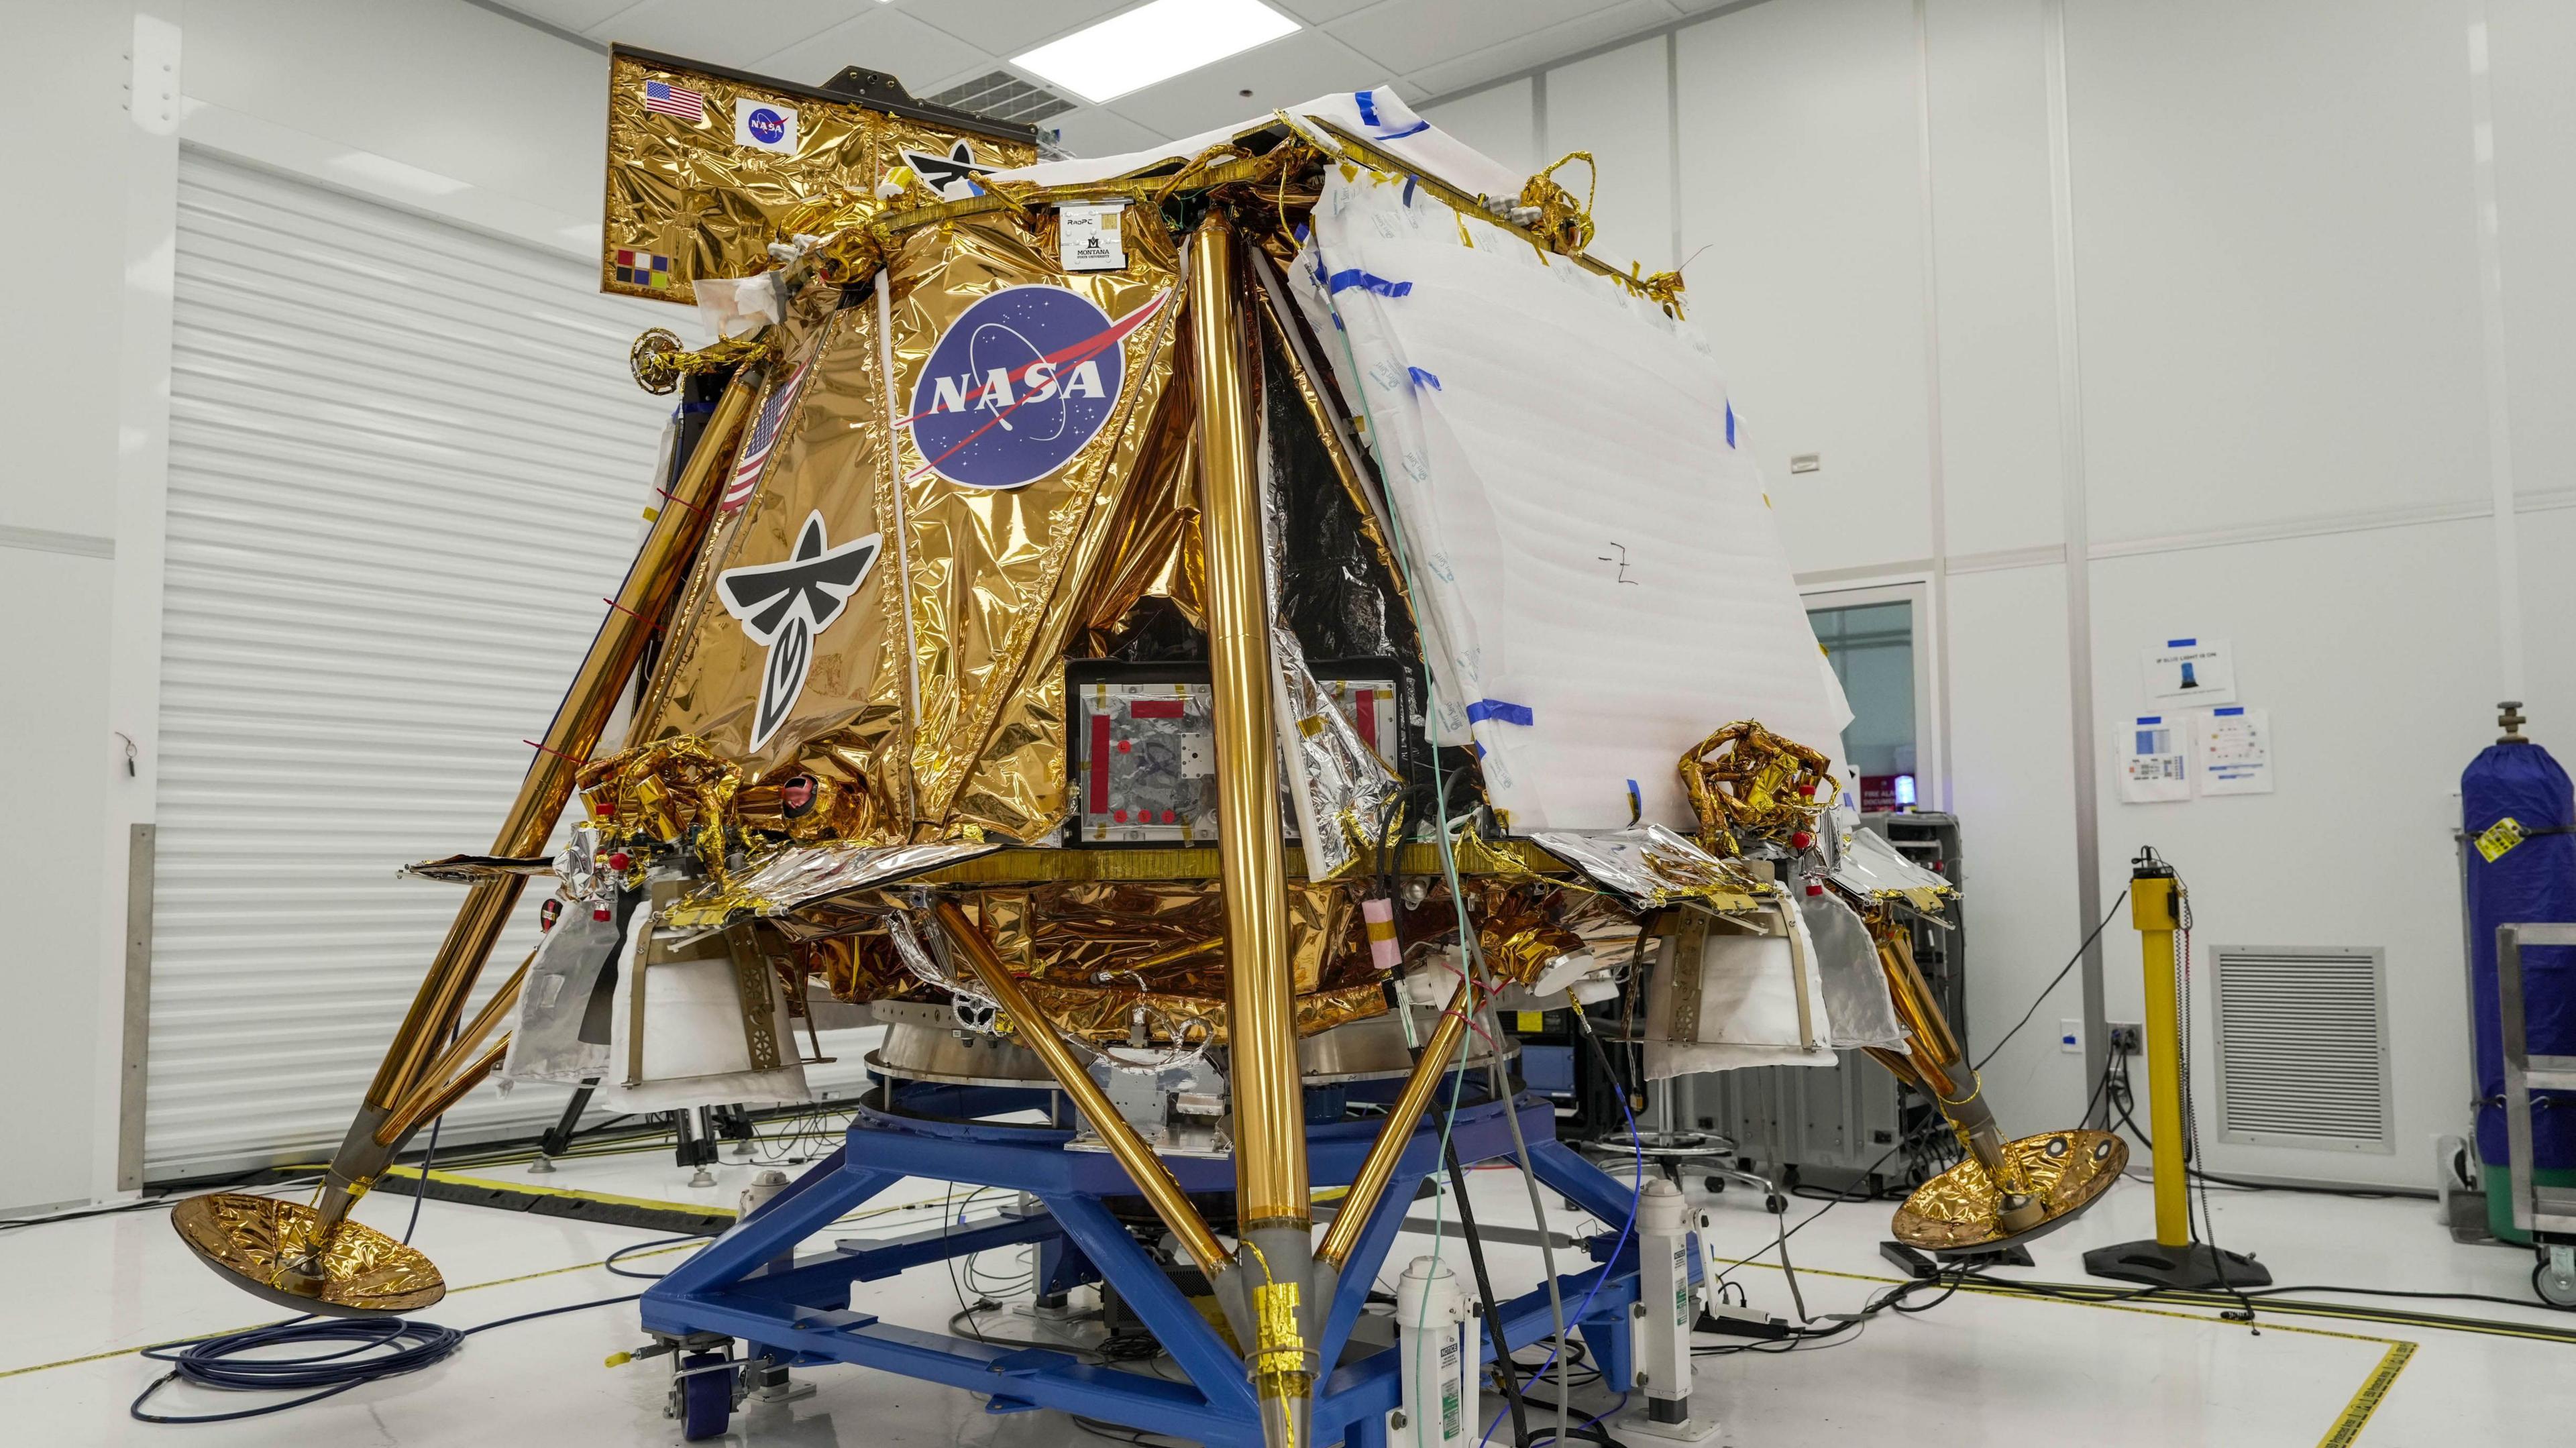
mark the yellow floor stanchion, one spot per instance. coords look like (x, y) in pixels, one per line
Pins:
(2171, 1258)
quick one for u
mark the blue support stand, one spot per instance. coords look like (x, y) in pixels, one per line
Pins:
(751, 1283)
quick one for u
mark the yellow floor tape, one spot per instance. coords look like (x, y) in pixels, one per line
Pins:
(2347, 1427)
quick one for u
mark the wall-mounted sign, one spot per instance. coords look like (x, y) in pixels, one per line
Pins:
(2191, 673)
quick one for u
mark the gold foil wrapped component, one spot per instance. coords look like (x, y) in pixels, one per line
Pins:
(672, 789)
(658, 361)
(1518, 937)
(1746, 780)
(1101, 1015)
(1961, 1208)
(1073, 933)
(783, 879)
(1562, 226)
(474, 869)
(362, 1269)
(707, 166)
(939, 685)
(1650, 866)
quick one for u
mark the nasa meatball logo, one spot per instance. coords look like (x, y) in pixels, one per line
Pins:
(764, 125)
(1018, 384)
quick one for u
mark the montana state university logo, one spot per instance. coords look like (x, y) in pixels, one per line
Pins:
(1018, 383)
(784, 607)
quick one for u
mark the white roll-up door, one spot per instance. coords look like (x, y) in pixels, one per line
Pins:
(406, 462)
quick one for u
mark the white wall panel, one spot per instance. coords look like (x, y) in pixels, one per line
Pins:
(1616, 106)
(1497, 122)
(455, 90)
(2277, 253)
(406, 462)
(2002, 468)
(2014, 787)
(2532, 45)
(1800, 175)
(2546, 541)
(2374, 652)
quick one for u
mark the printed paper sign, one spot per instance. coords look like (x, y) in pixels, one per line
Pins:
(764, 125)
(2153, 767)
(2236, 751)
(1089, 238)
(2188, 673)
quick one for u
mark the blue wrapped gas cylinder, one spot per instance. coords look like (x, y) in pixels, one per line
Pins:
(2531, 879)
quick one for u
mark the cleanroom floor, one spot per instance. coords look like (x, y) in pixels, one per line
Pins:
(82, 1296)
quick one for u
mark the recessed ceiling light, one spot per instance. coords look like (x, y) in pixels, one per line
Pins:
(1152, 42)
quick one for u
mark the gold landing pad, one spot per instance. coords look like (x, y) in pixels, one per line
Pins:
(2066, 1170)
(364, 1272)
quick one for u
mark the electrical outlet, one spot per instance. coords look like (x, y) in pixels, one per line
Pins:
(2070, 1036)
(2127, 1037)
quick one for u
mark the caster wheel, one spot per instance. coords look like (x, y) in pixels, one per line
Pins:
(706, 1398)
(1775, 1204)
(1716, 1185)
(2558, 1289)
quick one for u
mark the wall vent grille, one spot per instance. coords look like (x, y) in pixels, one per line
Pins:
(2302, 1038)
(1002, 96)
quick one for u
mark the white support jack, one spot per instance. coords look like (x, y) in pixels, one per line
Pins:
(1433, 1324)
(1666, 1308)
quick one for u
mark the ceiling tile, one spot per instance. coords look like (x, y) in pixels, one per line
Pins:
(1093, 131)
(1288, 70)
(1408, 35)
(570, 14)
(879, 38)
(1316, 12)
(1600, 27)
(734, 35)
(1010, 27)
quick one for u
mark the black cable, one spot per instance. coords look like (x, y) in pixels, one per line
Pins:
(2060, 979)
(420, 1191)
(630, 1249)
(369, 1349)
(1493, 1314)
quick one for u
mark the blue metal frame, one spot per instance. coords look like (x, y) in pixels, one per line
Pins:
(751, 1284)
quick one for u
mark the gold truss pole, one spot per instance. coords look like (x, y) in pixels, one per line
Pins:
(652, 581)
(1152, 1178)
(1271, 1198)
(1343, 1236)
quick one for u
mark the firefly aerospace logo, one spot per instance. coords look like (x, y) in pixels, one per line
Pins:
(784, 607)
(1018, 383)
(955, 175)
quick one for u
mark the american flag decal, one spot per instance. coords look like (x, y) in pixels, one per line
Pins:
(756, 447)
(674, 100)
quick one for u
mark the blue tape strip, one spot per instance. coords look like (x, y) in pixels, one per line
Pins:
(2182, 643)
(1417, 128)
(1343, 281)
(1422, 378)
(1730, 422)
(2151, 718)
(1500, 713)
(1409, 183)
(1367, 101)
(2234, 709)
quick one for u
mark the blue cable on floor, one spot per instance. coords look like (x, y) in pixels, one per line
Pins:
(225, 1361)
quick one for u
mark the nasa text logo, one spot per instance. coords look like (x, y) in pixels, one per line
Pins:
(764, 125)
(1019, 383)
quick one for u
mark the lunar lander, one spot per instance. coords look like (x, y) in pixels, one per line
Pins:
(1187, 639)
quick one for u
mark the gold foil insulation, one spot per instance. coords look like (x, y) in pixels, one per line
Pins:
(938, 691)
(359, 1268)
(1745, 780)
(1962, 1208)
(699, 183)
